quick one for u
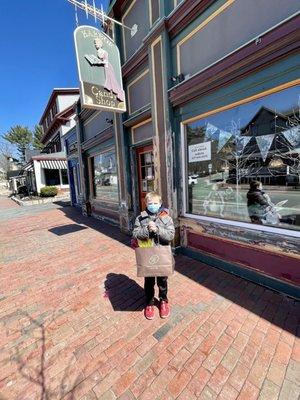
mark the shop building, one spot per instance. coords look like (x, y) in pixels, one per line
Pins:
(213, 102)
(73, 167)
(50, 167)
(58, 118)
(97, 158)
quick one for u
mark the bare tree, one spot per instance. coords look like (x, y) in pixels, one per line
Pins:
(6, 154)
(240, 157)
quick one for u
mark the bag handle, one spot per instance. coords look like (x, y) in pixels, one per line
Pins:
(157, 234)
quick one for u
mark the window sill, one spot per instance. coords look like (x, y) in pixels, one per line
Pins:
(262, 228)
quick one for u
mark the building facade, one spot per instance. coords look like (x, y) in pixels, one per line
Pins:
(213, 95)
(50, 167)
(73, 167)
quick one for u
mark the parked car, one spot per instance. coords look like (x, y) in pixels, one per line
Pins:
(193, 180)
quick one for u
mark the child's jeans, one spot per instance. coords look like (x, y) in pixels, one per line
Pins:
(162, 283)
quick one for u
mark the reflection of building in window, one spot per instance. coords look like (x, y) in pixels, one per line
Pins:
(255, 141)
(105, 180)
(257, 160)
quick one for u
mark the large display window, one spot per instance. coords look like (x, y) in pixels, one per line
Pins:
(243, 163)
(105, 178)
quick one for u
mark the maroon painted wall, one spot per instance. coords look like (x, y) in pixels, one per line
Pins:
(280, 266)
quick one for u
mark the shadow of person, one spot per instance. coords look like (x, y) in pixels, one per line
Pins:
(124, 293)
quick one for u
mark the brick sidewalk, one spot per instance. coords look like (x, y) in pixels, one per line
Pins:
(71, 322)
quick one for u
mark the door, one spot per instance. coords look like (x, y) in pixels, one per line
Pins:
(75, 177)
(72, 183)
(145, 165)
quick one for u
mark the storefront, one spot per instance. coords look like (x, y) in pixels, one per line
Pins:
(255, 136)
(47, 170)
(73, 167)
(99, 165)
(212, 94)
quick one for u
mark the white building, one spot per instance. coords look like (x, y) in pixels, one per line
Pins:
(50, 167)
(58, 118)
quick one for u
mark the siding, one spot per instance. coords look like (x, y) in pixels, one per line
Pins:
(138, 14)
(96, 124)
(237, 24)
(139, 93)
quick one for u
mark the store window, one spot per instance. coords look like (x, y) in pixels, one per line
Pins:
(243, 164)
(105, 178)
(64, 177)
(52, 177)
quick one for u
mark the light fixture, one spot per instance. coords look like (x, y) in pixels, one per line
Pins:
(177, 78)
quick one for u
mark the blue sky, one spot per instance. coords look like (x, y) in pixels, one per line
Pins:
(37, 54)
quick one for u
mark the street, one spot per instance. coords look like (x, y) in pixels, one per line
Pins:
(72, 326)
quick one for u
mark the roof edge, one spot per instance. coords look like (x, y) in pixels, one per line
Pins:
(56, 92)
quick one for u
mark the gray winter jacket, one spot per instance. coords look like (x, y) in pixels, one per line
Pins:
(164, 223)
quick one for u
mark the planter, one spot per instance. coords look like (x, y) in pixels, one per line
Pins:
(40, 200)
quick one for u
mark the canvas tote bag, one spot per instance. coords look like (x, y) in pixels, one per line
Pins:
(154, 261)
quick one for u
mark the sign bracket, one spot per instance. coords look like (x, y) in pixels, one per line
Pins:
(100, 14)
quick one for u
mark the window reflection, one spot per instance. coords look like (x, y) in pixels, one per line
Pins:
(105, 177)
(255, 142)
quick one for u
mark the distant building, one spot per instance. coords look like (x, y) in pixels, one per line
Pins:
(58, 118)
(274, 170)
(50, 167)
(2, 174)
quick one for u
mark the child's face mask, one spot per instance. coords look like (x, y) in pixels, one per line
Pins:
(153, 207)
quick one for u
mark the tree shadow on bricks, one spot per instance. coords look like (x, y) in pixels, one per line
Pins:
(271, 306)
(46, 368)
(124, 293)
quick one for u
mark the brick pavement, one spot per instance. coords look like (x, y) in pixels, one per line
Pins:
(71, 323)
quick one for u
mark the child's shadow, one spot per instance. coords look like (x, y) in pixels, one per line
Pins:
(124, 293)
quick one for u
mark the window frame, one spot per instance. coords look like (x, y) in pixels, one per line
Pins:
(183, 136)
(66, 175)
(91, 168)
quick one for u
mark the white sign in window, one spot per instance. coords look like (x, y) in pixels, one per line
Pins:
(200, 152)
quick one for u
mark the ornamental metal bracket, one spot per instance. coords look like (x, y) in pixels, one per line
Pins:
(100, 15)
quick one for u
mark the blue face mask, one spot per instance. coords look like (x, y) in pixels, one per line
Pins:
(153, 208)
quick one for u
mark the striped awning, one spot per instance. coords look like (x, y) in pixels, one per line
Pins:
(29, 167)
(54, 164)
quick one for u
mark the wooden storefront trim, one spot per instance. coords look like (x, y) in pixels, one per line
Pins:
(243, 101)
(274, 46)
(128, 86)
(98, 139)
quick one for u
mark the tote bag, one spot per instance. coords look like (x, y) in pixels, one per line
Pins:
(154, 261)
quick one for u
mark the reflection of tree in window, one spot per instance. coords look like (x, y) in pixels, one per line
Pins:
(259, 140)
(105, 177)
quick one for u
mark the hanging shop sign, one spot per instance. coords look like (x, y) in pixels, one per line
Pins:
(99, 67)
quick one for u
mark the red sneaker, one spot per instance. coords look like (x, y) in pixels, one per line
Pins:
(149, 312)
(164, 309)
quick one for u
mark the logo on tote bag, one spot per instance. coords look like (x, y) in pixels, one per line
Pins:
(153, 259)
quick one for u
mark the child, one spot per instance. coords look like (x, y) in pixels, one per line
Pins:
(257, 202)
(155, 223)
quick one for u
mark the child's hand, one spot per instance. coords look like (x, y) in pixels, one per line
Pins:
(152, 227)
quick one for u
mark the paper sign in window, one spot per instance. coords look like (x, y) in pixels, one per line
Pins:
(200, 152)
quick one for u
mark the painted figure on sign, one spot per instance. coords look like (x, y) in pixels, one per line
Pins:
(111, 83)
